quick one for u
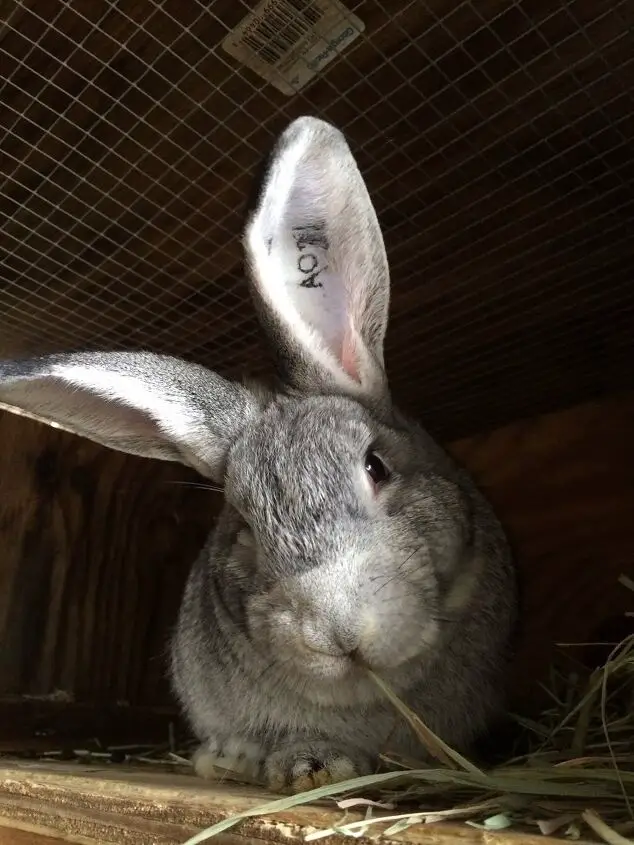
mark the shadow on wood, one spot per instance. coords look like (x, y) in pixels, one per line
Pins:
(563, 484)
(95, 548)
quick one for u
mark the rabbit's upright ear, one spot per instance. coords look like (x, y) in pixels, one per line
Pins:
(137, 402)
(318, 266)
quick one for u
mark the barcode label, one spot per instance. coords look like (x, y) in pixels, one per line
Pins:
(281, 29)
(287, 42)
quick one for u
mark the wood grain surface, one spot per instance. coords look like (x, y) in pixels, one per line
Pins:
(95, 549)
(119, 805)
(563, 484)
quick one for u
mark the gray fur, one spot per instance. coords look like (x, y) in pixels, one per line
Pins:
(312, 574)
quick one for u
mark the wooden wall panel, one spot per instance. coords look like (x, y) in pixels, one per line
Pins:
(563, 484)
(95, 546)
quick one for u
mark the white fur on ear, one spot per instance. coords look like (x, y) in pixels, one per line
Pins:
(317, 258)
(151, 405)
(174, 418)
(289, 247)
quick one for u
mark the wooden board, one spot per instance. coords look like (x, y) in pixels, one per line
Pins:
(34, 726)
(95, 549)
(24, 836)
(89, 805)
(563, 484)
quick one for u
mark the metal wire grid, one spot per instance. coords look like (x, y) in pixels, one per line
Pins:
(204, 274)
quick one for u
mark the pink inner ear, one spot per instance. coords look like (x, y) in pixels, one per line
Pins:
(349, 360)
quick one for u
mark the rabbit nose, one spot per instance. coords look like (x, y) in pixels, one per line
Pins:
(319, 639)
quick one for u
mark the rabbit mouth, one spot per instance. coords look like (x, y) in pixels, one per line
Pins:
(325, 665)
(330, 681)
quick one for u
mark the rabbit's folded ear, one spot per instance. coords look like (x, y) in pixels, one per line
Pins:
(318, 265)
(137, 402)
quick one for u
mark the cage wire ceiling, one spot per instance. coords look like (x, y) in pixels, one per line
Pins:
(496, 138)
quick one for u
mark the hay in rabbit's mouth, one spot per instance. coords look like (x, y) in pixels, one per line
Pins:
(576, 780)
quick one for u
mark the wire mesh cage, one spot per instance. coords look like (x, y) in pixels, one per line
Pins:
(496, 138)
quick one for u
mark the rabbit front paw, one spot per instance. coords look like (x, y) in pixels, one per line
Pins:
(217, 757)
(302, 765)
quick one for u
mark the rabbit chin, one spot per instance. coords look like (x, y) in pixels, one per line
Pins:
(326, 681)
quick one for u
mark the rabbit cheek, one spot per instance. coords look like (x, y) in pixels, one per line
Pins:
(273, 625)
(267, 622)
(397, 622)
(388, 640)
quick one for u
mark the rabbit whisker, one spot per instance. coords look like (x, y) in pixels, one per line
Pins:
(197, 485)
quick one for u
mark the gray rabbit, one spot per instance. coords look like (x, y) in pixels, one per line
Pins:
(349, 540)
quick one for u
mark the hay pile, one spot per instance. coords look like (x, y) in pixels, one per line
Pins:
(575, 781)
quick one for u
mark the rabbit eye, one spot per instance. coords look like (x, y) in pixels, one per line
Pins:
(375, 468)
